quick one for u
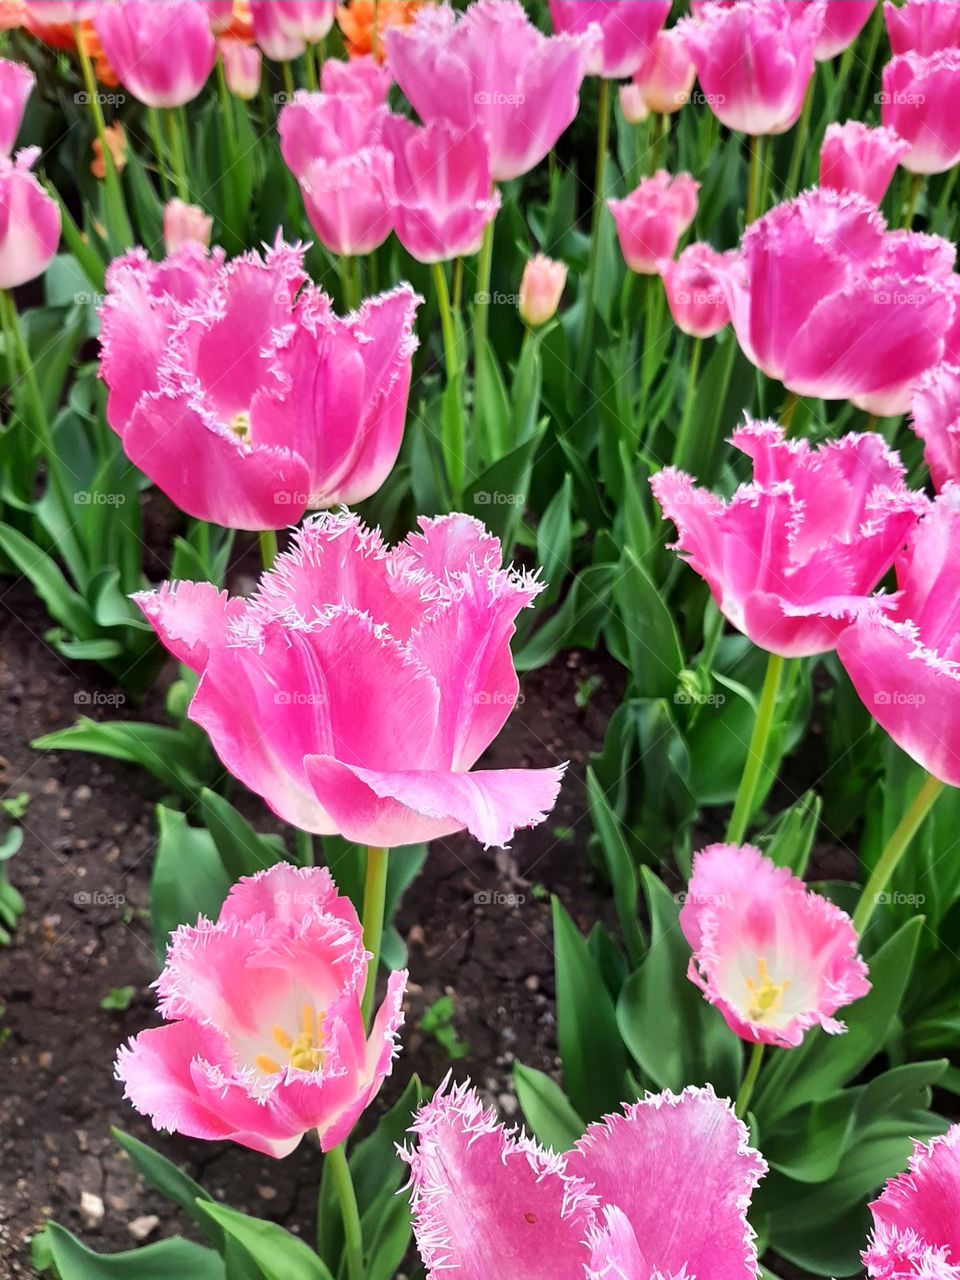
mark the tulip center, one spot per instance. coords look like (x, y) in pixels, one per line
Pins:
(302, 1050)
(240, 425)
(764, 996)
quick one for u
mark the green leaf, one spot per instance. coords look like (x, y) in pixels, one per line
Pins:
(656, 658)
(157, 748)
(546, 1108)
(789, 838)
(278, 1254)
(161, 1261)
(499, 495)
(188, 878)
(62, 602)
(242, 851)
(554, 537)
(620, 864)
(170, 1180)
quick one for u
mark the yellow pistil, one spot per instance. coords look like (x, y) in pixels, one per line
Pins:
(240, 424)
(303, 1050)
(765, 996)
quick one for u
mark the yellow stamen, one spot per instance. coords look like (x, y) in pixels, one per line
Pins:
(765, 996)
(267, 1065)
(303, 1051)
(282, 1039)
(240, 424)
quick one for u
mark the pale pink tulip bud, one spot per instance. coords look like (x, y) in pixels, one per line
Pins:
(855, 157)
(242, 65)
(540, 290)
(651, 220)
(633, 104)
(666, 78)
(183, 223)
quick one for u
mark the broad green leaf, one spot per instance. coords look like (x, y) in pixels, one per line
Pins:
(789, 838)
(656, 659)
(188, 878)
(546, 1108)
(242, 851)
(170, 1180)
(620, 864)
(173, 1259)
(278, 1254)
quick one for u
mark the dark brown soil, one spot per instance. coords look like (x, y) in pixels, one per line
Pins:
(84, 869)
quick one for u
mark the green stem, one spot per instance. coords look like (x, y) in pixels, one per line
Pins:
(800, 139)
(789, 411)
(945, 197)
(590, 279)
(455, 449)
(749, 1080)
(481, 302)
(268, 547)
(754, 177)
(894, 850)
(447, 325)
(913, 197)
(287, 76)
(177, 162)
(226, 109)
(660, 131)
(756, 752)
(458, 285)
(156, 139)
(868, 53)
(374, 905)
(118, 221)
(349, 1212)
(303, 844)
(684, 444)
(349, 270)
(310, 69)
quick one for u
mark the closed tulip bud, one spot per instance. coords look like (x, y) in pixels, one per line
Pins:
(242, 65)
(540, 290)
(16, 82)
(666, 78)
(183, 223)
(633, 104)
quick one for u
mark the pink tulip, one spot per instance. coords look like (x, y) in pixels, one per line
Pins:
(628, 31)
(332, 145)
(162, 50)
(362, 75)
(541, 289)
(856, 158)
(843, 20)
(919, 101)
(935, 413)
(236, 389)
(651, 220)
(831, 306)
(923, 26)
(29, 221)
(307, 20)
(904, 664)
(16, 82)
(271, 35)
(792, 558)
(264, 1038)
(490, 1202)
(695, 289)
(754, 61)
(242, 67)
(666, 78)
(444, 198)
(490, 66)
(773, 957)
(358, 688)
(916, 1230)
(184, 223)
(219, 15)
(633, 104)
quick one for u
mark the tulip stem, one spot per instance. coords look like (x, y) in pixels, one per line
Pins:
(684, 443)
(481, 301)
(156, 140)
(454, 450)
(118, 220)
(800, 140)
(268, 547)
(177, 162)
(286, 74)
(374, 906)
(226, 108)
(894, 850)
(303, 844)
(590, 279)
(349, 269)
(757, 751)
(749, 1080)
(310, 69)
(754, 177)
(912, 199)
(789, 411)
(349, 1212)
(458, 285)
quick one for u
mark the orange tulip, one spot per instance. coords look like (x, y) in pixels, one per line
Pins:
(356, 20)
(117, 144)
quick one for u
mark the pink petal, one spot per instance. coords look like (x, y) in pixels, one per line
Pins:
(190, 618)
(917, 1215)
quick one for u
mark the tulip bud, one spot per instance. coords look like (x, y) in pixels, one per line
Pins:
(633, 104)
(241, 67)
(665, 80)
(540, 290)
(183, 223)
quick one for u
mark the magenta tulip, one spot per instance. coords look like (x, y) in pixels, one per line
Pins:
(919, 101)
(922, 26)
(161, 50)
(184, 223)
(695, 289)
(856, 158)
(444, 198)
(236, 389)
(363, 75)
(754, 61)
(628, 31)
(305, 20)
(791, 558)
(264, 1038)
(271, 35)
(29, 221)
(903, 664)
(832, 305)
(358, 688)
(843, 20)
(16, 83)
(651, 220)
(935, 411)
(916, 1230)
(664, 82)
(489, 1202)
(490, 66)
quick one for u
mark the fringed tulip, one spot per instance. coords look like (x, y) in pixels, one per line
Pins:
(29, 221)
(628, 31)
(242, 67)
(441, 177)
(856, 158)
(773, 957)
(184, 223)
(264, 1039)
(935, 417)
(754, 61)
(666, 78)
(240, 393)
(363, 75)
(922, 26)
(16, 83)
(162, 50)
(541, 289)
(905, 665)
(490, 66)
(274, 39)
(490, 1202)
(696, 294)
(651, 220)
(832, 306)
(916, 1227)
(358, 688)
(843, 20)
(305, 20)
(792, 558)
(919, 101)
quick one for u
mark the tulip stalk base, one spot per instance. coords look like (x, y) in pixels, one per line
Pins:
(912, 200)
(756, 752)
(749, 1080)
(374, 907)
(895, 848)
(590, 279)
(268, 547)
(349, 1212)
(756, 178)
